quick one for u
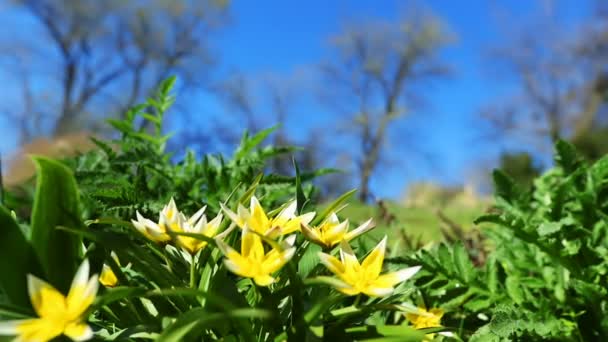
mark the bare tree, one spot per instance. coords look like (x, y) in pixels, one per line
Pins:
(101, 57)
(374, 78)
(560, 77)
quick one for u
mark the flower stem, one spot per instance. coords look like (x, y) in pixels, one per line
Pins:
(357, 300)
(192, 273)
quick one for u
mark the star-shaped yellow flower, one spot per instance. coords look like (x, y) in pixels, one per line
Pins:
(196, 224)
(425, 319)
(365, 278)
(107, 277)
(331, 231)
(252, 261)
(157, 232)
(255, 218)
(173, 220)
(57, 314)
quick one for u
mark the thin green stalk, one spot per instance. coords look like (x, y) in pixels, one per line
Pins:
(193, 274)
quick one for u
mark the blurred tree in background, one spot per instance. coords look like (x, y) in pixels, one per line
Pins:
(562, 79)
(520, 166)
(95, 58)
(373, 80)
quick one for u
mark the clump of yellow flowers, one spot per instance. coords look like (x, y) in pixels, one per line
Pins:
(57, 314)
(353, 277)
(172, 220)
(255, 219)
(267, 243)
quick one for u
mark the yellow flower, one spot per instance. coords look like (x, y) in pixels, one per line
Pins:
(253, 262)
(173, 220)
(57, 314)
(197, 224)
(331, 231)
(425, 319)
(157, 232)
(255, 218)
(107, 277)
(355, 278)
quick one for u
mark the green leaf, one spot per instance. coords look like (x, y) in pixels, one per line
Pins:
(566, 156)
(464, 266)
(17, 259)
(548, 228)
(309, 260)
(396, 333)
(505, 187)
(249, 143)
(251, 190)
(514, 289)
(333, 206)
(198, 319)
(300, 197)
(56, 204)
(492, 274)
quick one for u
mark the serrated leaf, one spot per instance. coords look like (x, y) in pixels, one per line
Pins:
(505, 187)
(463, 263)
(514, 290)
(566, 156)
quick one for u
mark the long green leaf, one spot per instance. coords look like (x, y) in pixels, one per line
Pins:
(56, 204)
(198, 319)
(17, 259)
(333, 206)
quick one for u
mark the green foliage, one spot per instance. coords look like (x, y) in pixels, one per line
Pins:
(17, 258)
(537, 272)
(546, 274)
(55, 204)
(164, 293)
(520, 167)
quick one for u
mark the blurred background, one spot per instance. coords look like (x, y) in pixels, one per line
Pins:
(415, 101)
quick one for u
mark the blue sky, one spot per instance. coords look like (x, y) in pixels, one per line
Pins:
(280, 37)
(288, 37)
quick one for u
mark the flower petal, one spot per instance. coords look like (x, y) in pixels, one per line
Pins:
(224, 247)
(81, 297)
(107, 277)
(306, 218)
(170, 210)
(274, 261)
(335, 234)
(259, 221)
(367, 225)
(393, 278)
(44, 297)
(332, 263)
(348, 257)
(82, 275)
(238, 266)
(231, 215)
(193, 220)
(38, 330)
(251, 246)
(288, 213)
(263, 280)
(10, 327)
(78, 331)
(372, 264)
(311, 234)
(378, 291)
